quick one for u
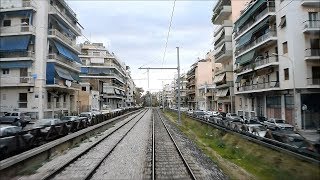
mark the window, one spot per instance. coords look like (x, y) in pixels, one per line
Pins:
(96, 53)
(25, 21)
(23, 100)
(5, 71)
(285, 47)
(283, 22)
(286, 74)
(240, 102)
(84, 88)
(252, 104)
(6, 23)
(4, 96)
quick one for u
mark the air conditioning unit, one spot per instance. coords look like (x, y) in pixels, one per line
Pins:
(30, 90)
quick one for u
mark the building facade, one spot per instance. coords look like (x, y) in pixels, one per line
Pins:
(39, 58)
(277, 57)
(105, 74)
(183, 91)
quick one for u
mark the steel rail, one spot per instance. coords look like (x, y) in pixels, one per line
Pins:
(63, 166)
(153, 150)
(105, 157)
(178, 150)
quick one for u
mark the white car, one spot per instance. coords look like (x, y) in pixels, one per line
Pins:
(257, 129)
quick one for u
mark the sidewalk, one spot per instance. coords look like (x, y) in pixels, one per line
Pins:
(311, 135)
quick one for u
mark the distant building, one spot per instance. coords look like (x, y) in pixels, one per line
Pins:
(183, 91)
(39, 61)
(105, 74)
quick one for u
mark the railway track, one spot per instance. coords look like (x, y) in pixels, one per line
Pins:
(85, 164)
(167, 160)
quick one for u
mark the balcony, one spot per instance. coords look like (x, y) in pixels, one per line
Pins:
(224, 84)
(312, 3)
(54, 57)
(221, 13)
(258, 87)
(222, 39)
(259, 63)
(22, 5)
(312, 54)
(57, 35)
(224, 24)
(9, 81)
(311, 26)
(17, 56)
(223, 55)
(262, 40)
(17, 30)
(313, 81)
(227, 68)
(60, 83)
(269, 11)
(62, 15)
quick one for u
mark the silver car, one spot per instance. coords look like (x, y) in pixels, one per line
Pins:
(9, 142)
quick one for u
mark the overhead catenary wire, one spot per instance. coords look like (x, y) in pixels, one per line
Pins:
(168, 34)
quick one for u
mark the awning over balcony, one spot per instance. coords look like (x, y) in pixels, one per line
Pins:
(246, 16)
(219, 49)
(14, 43)
(67, 53)
(15, 64)
(75, 76)
(219, 78)
(64, 74)
(219, 35)
(222, 92)
(63, 26)
(245, 58)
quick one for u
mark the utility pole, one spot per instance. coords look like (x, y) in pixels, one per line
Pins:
(179, 112)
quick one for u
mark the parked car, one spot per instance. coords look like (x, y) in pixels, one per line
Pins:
(222, 115)
(190, 112)
(291, 138)
(9, 142)
(88, 115)
(278, 124)
(256, 129)
(69, 118)
(198, 114)
(260, 119)
(15, 118)
(45, 124)
(234, 117)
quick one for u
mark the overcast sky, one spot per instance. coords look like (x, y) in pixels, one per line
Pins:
(136, 32)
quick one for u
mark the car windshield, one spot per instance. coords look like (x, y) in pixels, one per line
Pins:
(233, 115)
(280, 121)
(7, 114)
(84, 115)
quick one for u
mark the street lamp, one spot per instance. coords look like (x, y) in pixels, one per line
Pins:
(294, 86)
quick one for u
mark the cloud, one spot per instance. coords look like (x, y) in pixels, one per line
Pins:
(136, 32)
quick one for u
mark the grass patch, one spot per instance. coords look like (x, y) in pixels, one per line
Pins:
(255, 161)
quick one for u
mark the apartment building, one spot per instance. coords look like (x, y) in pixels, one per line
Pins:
(130, 90)
(167, 96)
(277, 57)
(183, 91)
(191, 86)
(105, 74)
(223, 80)
(39, 58)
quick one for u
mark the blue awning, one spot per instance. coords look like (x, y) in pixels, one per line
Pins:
(14, 43)
(50, 73)
(63, 26)
(67, 53)
(246, 58)
(64, 74)
(84, 70)
(15, 64)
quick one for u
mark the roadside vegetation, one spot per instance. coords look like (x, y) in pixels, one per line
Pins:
(242, 159)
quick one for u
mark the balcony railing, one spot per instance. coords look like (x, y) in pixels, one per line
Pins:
(257, 18)
(49, 105)
(63, 14)
(64, 105)
(23, 104)
(55, 32)
(17, 29)
(311, 24)
(17, 54)
(313, 81)
(24, 4)
(226, 68)
(58, 105)
(64, 60)
(255, 42)
(257, 86)
(16, 81)
(312, 52)
(259, 61)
